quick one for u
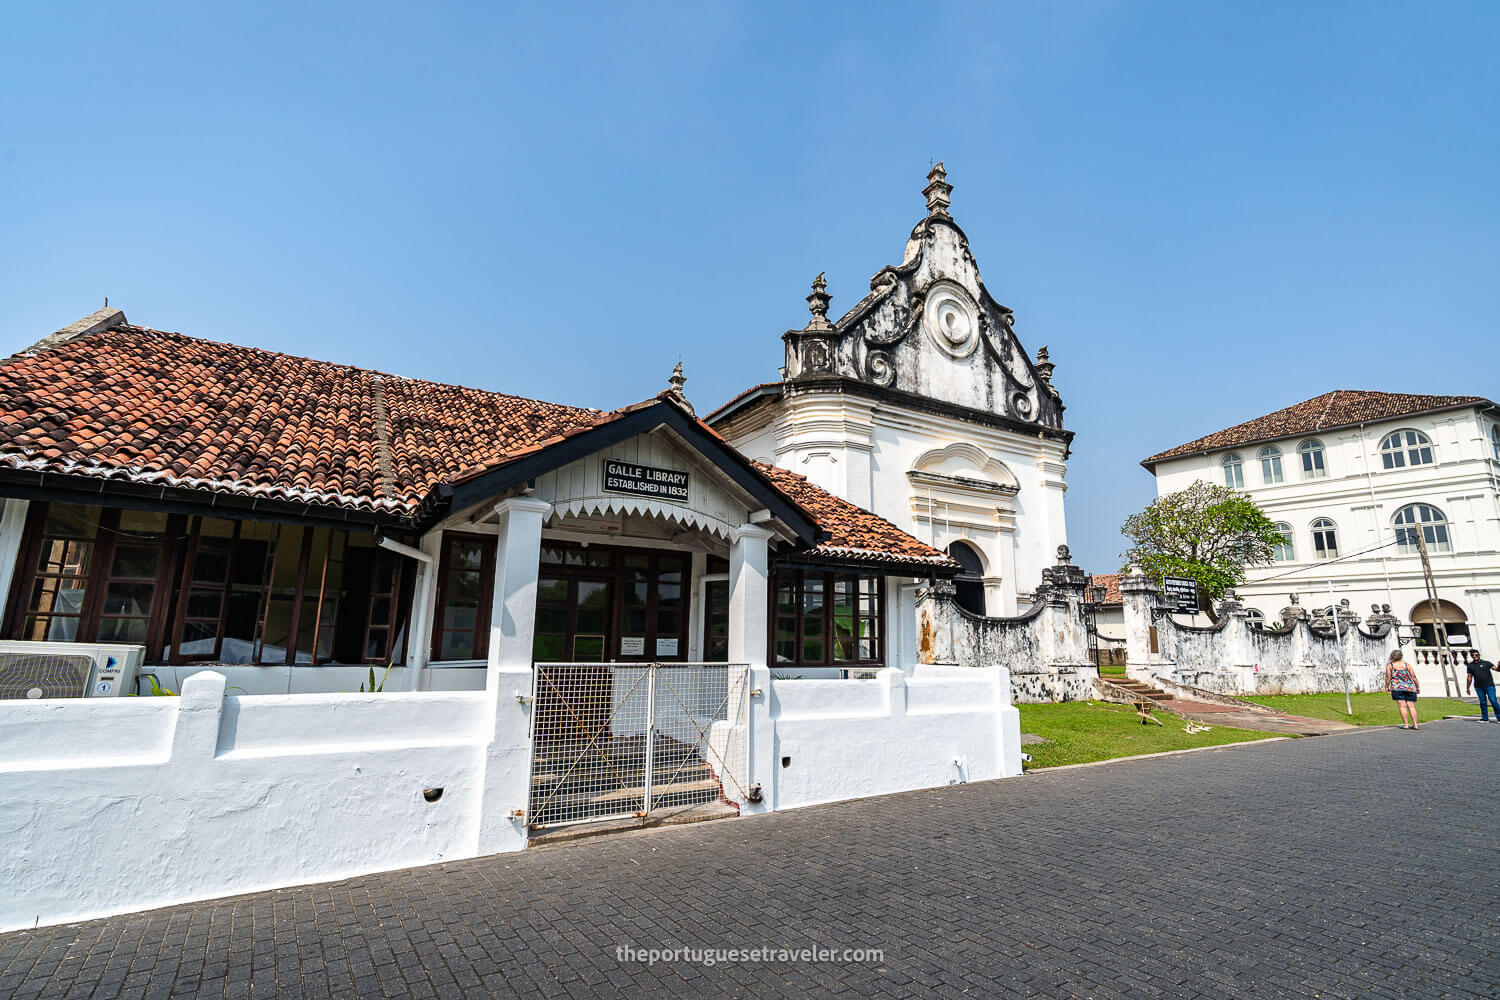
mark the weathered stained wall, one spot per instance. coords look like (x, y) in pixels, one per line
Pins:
(1046, 648)
(1233, 658)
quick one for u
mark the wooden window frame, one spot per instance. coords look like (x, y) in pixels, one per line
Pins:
(829, 576)
(484, 603)
(98, 577)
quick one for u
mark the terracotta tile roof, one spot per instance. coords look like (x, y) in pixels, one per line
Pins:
(763, 388)
(853, 533)
(155, 407)
(1340, 408)
(1111, 584)
(152, 407)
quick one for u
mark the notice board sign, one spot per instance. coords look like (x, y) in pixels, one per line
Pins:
(1182, 595)
(645, 481)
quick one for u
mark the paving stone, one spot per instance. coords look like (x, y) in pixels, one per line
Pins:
(1358, 865)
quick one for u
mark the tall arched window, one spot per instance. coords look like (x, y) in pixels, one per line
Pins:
(970, 579)
(1422, 517)
(1402, 448)
(1234, 471)
(1284, 551)
(1270, 464)
(1325, 539)
(1495, 440)
(1313, 466)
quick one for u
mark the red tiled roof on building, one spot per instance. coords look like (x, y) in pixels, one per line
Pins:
(1330, 411)
(1111, 584)
(129, 403)
(149, 406)
(852, 532)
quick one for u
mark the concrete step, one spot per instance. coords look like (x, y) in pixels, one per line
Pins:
(584, 803)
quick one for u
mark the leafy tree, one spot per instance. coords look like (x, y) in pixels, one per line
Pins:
(1207, 533)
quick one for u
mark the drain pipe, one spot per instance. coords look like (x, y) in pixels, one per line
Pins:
(405, 550)
(424, 567)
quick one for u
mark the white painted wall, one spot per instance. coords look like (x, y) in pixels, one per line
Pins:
(849, 739)
(112, 805)
(1362, 497)
(862, 451)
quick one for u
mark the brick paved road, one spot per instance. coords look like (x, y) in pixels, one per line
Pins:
(1307, 868)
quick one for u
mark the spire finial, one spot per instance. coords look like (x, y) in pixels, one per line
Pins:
(817, 304)
(938, 189)
(678, 380)
(1044, 365)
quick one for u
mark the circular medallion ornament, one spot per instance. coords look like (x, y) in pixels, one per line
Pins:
(1021, 403)
(951, 320)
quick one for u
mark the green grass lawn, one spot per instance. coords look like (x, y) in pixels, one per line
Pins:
(1375, 709)
(1085, 731)
(1112, 670)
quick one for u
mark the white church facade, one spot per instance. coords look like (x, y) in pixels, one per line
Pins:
(921, 405)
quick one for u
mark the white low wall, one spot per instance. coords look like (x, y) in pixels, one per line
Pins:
(112, 805)
(852, 738)
(325, 679)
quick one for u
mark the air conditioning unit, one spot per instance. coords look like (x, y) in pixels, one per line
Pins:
(68, 669)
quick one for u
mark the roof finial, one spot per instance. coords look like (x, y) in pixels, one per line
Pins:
(678, 380)
(1044, 365)
(938, 189)
(817, 304)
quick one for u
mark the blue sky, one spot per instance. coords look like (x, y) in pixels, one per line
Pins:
(1206, 211)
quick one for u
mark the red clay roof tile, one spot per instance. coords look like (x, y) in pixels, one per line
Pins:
(152, 406)
(1340, 408)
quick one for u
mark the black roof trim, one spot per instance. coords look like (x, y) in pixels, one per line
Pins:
(854, 387)
(59, 487)
(589, 442)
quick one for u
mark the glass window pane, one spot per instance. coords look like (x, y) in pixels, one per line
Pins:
(128, 598)
(137, 561)
(122, 630)
(463, 585)
(460, 614)
(203, 603)
(547, 648)
(457, 646)
(72, 520)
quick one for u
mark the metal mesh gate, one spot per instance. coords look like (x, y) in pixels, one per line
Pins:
(614, 740)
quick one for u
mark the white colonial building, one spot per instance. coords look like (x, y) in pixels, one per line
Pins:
(1351, 477)
(920, 404)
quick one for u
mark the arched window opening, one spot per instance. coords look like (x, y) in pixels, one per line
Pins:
(1234, 471)
(1495, 440)
(1284, 551)
(1402, 448)
(1313, 465)
(1455, 623)
(1325, 539)
(1254, 618)
(1432, 522)
(1270, 465)
(970, 579)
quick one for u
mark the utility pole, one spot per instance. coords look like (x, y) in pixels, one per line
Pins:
(1445, 653)
(1333, 612)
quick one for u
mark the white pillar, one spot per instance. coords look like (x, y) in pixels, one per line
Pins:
(518, 557)
(12, 526)
(423, 609)
(749, 595)
(507, 757)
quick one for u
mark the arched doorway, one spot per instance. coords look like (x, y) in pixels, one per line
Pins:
(1451, 615)
(970, 579)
